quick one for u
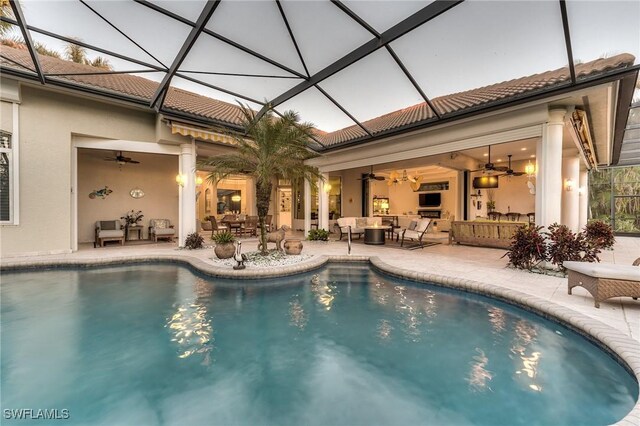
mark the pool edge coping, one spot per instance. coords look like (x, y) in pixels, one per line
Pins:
(620, 346)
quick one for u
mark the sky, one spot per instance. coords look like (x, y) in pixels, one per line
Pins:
(474, 44)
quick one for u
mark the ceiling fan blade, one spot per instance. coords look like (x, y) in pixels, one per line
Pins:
(519, 173)
(500, 168)
(133, 162)
(378, 177)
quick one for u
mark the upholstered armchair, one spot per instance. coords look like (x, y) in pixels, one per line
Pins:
(418, 233)
(161, 228)
(108, 230)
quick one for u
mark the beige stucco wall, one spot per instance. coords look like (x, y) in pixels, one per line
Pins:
(352, 191)
(512, 194)
(47, 122)
(6, 116)
(155, 175)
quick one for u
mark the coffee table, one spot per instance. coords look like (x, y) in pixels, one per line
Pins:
(375, 235)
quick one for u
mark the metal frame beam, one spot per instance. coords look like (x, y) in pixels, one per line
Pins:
(220, 37)
(86, 45)
(220, 89)
(343, 110)
(412, 22)
(293, 39)
(625, 97)
(20, 21)
(121, 32)
(567, 39)
(161, 92)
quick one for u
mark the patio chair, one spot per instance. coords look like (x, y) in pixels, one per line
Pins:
(494, 216)
(108, 230)
(161, 228)
(513, 216)
(418, 233)
(250, 226)
(232, 222)
(604, 281)
(215, 228)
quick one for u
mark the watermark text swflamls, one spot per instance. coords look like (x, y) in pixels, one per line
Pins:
(35, 414)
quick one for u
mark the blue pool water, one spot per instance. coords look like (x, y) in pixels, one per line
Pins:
(157, 344)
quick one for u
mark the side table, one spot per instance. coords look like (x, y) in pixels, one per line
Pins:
(131, 229)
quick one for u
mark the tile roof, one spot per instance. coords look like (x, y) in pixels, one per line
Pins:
(124, 84)
(473, 98)
(212, 109)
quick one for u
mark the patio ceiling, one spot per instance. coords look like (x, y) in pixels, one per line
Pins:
(340, 63)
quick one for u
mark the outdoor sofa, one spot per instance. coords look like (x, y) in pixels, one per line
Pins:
(108, 230)
(357, 224)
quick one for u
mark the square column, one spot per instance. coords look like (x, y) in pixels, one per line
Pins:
(187, 193)
(583, 195)
(549, 170)
(570, 195)
(307, 207)
(323, 203)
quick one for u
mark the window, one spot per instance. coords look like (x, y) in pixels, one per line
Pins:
(6, 170)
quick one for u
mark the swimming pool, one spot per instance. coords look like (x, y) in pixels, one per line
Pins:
(158, 344)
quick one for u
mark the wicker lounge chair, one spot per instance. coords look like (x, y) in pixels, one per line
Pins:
(604, 281)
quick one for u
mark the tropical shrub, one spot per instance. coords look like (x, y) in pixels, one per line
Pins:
(564, 245)
(193, 241)
(318, 235)
(528, 248)
(600, 234)
(225, 237)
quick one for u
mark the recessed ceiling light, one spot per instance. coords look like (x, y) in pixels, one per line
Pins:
(499, 160)
(485, 155)
(523, 149)
(532, 156)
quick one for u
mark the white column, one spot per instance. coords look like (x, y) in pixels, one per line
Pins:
(323, 203)
(307, 207)
(187, 192)
(583, 194)
(549, 166)
(570, 195)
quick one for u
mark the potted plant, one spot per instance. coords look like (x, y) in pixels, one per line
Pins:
(132, 218)
(225, 247)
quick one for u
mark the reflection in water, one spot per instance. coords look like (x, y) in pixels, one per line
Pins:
(192, 330)
(325, 293)
(384, 330)
(525, 336)
(497, 320)
(479, 375)
(298, 318)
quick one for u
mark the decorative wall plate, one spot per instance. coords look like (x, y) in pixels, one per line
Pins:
(136, 193)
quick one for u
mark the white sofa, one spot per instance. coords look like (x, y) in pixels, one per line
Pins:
(357, 224)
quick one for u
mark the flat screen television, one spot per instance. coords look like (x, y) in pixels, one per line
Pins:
(430, 200)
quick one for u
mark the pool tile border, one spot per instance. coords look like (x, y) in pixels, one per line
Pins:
(624, 349)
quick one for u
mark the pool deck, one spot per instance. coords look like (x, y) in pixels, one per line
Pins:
(479, 269)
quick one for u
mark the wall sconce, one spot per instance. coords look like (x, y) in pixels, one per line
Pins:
(581, 190)
(199, 180)
(235, 198)
(181, 179)
(530, 169)
(568, 184)
(327, 187)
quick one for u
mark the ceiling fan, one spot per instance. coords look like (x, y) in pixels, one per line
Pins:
(510, 172)
(121, 159)
(490, 167)
(371, 175)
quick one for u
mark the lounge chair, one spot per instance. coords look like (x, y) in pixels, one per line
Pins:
(108, 230)
(417, 233)
(250, 226)
(161, 228)
(604, 281)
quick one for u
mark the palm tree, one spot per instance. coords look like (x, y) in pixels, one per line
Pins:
(272, 148)
(78, 54)
(5, 11)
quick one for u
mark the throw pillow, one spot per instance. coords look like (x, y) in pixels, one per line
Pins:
(361, 222)
(108, 225)
(412, 225)
(160, 223)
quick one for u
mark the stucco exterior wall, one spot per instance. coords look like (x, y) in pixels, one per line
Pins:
(155, 175)
(6, 116)
(47, 122)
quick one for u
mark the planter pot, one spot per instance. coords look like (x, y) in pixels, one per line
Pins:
(224, 251)
(293, 246)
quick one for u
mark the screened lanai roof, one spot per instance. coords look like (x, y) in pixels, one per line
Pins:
(358, 70)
